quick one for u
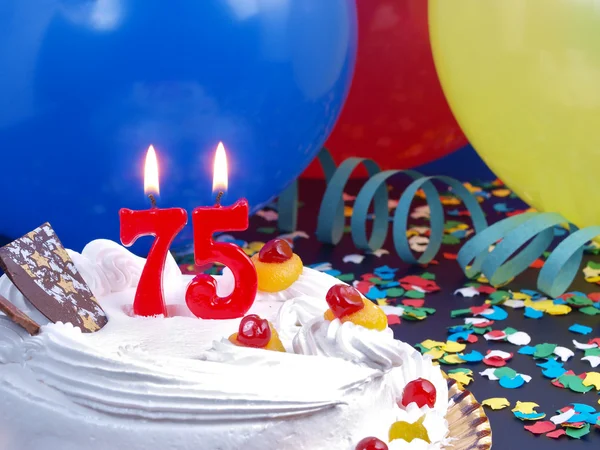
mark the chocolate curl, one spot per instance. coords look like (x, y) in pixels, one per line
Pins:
(19, 317)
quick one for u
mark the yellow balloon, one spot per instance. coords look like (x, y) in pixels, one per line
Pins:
(523, 79)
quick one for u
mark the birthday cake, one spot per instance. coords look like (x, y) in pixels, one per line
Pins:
(312, 365)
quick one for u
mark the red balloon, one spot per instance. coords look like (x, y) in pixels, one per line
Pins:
(396, 112)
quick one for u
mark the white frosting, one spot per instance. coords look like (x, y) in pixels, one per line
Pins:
(9, 291)
(178, 383)
(296, 313)
(360, 345)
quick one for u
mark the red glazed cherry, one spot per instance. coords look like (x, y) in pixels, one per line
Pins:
(254, 331)
(344, 300)
(275, 251)
(420, 391)
(371, 443)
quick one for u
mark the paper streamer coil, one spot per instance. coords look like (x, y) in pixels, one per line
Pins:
(510, 256)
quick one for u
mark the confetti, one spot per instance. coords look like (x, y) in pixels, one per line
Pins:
(499, 354)
(406, 298)
(580, 329)
(578, 433)
(593, 360)
(494, 361)
(453, 347)
(519, 338)
(381, 252)
(419, 244)
(467, 292)
(496, 403)
(512, 383)
(451, 359)
(497, 314)
(495, 335)
(581, 346)
(544, 350)
(583, 408)
(525, 407)
(396, 292)
(515, 304)
(591, 379)
(393, 319)
(589, 310)
(530, 416)
(557, 433)
(533, 313)
(355, 259)
(573, 383)
(541, 427)
(415, 303)
(563, 353)
(473, 356)
(527, 350)
(563, 417)
(505, 372)
(489, 373)
(463, 376)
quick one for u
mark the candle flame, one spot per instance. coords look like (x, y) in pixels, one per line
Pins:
(220, 179)
(151, 185)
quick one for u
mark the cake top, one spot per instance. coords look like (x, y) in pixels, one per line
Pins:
(194, 374)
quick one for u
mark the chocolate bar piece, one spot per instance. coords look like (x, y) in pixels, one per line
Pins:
(19, 317)
(40, 267)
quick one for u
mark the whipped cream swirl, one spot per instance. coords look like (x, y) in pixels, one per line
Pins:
(296, 313)
(108, 267)
(372, 348)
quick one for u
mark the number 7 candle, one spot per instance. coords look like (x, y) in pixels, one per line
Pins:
(201, 296)
(162, 223)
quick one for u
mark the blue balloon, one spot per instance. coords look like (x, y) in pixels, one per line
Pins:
(87, 85)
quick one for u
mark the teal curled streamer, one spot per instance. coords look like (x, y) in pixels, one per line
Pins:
(517, 241)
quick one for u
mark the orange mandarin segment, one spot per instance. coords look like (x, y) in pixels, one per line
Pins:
(409, 431)
(371, 316)
(329, 315)
(274, 343)
(275, 277)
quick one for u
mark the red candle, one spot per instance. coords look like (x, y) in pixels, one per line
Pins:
(164, 224)
(201, 296)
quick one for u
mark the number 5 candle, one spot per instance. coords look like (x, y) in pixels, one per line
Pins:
(201, 296)
(164, 224)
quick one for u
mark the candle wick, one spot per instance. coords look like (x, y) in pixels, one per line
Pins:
(152, 200)
(219, 195)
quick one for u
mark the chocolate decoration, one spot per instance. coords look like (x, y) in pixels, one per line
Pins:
(40, 267)
(19, 317)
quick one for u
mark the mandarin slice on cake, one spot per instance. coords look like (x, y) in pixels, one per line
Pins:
(257, 333)
(409, 431)
(277, 266)
(348, 305)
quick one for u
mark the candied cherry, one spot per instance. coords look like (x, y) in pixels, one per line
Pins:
(409, 431)
(277, 266)
(275, 251)
(371, 443)
(254, 331)
(420, 391)
(258, 333)
(344, 300)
